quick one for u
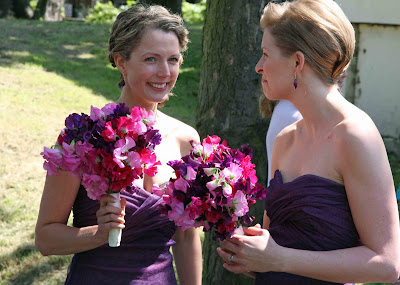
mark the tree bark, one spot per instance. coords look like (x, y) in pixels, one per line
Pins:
(228, 101)
(50, 10)
(174, 5)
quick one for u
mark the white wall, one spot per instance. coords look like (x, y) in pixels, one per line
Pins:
(375, 79)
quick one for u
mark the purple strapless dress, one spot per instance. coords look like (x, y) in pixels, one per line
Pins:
(143, 258)
(309, 213)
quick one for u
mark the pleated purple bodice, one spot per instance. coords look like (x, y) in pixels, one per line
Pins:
(143, 258)
(309, 213)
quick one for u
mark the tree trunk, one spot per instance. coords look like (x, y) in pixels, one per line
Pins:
(22, 9)
(50, 10)
(228, 101)
(174, 5)
(5, 8)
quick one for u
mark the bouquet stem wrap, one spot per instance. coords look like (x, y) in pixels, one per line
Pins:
(114, 236)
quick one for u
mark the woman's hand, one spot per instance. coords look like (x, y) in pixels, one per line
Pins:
(256, 251)
(109, 217)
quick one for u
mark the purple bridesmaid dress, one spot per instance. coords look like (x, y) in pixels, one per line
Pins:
(143, 258)
(309, 213)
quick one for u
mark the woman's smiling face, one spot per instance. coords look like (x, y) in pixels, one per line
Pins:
(153, 67)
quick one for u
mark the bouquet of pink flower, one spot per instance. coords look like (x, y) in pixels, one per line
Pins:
(108, 150)
(213, 188)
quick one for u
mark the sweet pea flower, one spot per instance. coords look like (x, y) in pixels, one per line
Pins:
(157, 190)
(211, 185)
(133, 160)
(121, 148)
(151, 169)
(240, 202)
(190, 173)
(95, 185)
(232, 173)
(150, 119)
(96, 113)
(109, 108)
(210, 171)
(226, 189)
(181, 184)
(108, 134)
(71, 162)
(51, 168)
(177, 209)
(184, 221)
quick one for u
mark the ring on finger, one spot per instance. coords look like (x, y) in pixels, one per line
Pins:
(230, 258)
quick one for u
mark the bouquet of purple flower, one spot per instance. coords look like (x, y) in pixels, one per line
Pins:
(108, 150)
(213, 188)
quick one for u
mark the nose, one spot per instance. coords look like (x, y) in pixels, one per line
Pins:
(164, 69)
(259, 66)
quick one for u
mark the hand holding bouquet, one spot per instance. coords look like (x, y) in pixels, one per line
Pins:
(213, 188)
(108, 150)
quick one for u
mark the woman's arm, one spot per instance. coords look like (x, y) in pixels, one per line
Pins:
(187, 256)
(370, 190)
(52, 234)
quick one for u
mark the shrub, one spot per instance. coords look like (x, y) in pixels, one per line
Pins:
(106, 12)
(194, 13)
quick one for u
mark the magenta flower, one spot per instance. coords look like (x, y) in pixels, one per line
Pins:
(213, 188)
(240, 202)
(95, 185)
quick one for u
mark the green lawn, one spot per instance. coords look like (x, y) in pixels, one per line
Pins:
(47, 71)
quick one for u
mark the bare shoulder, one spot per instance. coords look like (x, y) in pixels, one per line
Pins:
(286, 137)
(180, 131)
(359, 147)
(356, 131)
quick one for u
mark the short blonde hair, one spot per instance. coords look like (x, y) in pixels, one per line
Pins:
(130, 26)
(317, 28)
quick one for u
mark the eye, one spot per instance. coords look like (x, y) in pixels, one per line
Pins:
(150, 59)
(173, 59)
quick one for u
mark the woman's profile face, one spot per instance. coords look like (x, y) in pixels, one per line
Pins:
(277, 70)
(153, 67)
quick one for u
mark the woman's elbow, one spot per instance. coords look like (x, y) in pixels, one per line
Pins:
(391, 272)
(40, 244)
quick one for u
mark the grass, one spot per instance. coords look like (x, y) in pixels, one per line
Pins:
(47, 71)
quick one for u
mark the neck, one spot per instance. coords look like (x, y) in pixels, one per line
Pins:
(132, 101)
(320, 105)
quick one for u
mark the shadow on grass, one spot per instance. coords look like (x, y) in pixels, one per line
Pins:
(33, 265)
(77, 51)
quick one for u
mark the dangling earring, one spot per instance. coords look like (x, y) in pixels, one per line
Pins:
(295, 81)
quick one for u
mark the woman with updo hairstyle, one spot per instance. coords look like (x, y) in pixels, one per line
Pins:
(146, 45)
(330, 215)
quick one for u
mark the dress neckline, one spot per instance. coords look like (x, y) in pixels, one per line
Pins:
(278, 175)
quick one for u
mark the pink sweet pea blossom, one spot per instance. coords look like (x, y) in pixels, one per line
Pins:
(190, 173)
(241, 206)
(181, 184)
(121, 149)
(109, 108)
(95, 113)
(95, 185)
(108, 134)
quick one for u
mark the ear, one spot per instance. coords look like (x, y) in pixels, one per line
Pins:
(299, 61)
(180, 61)
(120, 63)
